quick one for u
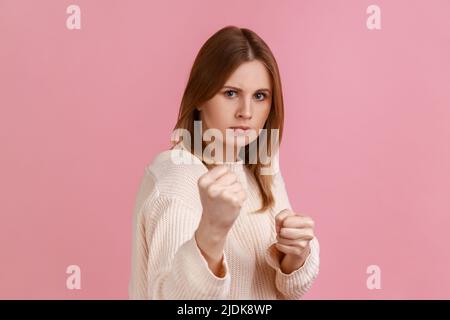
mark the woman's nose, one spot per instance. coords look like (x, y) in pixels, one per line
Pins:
(245, 109)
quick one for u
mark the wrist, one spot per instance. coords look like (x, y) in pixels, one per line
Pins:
(213, 231)
(210, 240)
(290, 263)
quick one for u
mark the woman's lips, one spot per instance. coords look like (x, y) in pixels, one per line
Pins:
(240, 130)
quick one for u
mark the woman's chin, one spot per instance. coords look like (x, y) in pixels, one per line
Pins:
(239, 141)
(235, 146)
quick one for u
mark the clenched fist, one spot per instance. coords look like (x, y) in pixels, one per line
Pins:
(294, 232)
(222, 197)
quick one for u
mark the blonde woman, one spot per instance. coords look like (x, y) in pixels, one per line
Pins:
(212, 229)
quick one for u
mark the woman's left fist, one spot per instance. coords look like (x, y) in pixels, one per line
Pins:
(294, 232)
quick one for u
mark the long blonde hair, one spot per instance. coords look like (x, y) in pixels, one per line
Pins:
(217, 59)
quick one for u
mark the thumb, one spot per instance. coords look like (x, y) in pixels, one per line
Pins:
(280, 217)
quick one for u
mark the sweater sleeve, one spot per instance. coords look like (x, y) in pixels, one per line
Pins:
(294, 285)
(172, 265)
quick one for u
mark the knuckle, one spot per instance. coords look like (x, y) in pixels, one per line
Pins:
(212, 191)
(289, 220)
(235, 199)
(201, 182)
(304, 244)
(224, 194)
(279, 218)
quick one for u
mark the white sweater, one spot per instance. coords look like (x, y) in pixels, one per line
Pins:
(166, 262)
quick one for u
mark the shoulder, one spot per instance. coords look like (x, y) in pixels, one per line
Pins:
(175, 175)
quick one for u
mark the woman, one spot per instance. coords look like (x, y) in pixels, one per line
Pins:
(217, 227)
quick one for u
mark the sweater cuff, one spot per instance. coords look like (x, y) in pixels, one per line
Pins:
(197, 276)
(296, 283)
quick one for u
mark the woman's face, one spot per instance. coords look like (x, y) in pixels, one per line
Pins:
(244, 100)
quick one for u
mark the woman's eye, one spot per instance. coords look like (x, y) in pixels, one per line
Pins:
(229, 93)
(260, 96)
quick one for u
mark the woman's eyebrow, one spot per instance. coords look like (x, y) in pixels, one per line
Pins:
(239, 89)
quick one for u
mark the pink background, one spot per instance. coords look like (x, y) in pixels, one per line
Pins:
(366, 149)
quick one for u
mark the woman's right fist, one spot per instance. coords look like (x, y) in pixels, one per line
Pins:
(222, 197)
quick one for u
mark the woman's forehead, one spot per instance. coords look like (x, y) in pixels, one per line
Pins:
(250, 76)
